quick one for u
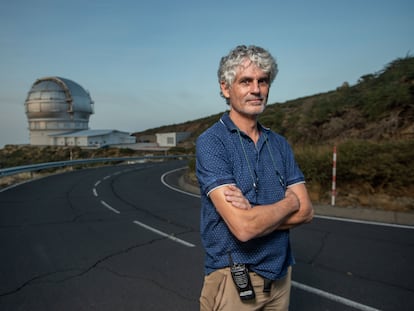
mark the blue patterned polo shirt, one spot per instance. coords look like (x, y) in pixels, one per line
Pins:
(262, 171)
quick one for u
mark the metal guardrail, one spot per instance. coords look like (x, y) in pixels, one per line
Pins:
(42, 166)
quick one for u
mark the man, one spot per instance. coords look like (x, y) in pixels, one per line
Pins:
(252, 193)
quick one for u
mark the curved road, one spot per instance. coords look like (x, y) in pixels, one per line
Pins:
(118, 238)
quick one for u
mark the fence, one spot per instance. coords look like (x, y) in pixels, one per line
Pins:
(42, 166)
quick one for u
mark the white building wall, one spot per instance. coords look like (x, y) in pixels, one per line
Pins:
(166, 139)
(39, 138)
(97, 141)
(113, 138)
(82, 141)
(171, 139)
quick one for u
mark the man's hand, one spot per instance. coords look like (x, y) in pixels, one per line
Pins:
(234, 196)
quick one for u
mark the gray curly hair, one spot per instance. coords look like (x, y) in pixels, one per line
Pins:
(259, 56)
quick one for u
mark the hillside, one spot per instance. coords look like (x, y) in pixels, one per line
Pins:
(372, 125)
(380, 107)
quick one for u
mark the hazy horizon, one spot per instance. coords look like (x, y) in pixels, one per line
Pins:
(149, 64)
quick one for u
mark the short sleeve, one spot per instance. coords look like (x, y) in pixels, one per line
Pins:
(213, 162)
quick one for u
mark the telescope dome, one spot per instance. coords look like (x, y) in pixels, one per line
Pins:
(56, 105)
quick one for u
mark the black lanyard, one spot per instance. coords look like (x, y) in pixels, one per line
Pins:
(252, 175)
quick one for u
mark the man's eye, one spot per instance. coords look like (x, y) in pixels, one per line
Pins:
(264, 82)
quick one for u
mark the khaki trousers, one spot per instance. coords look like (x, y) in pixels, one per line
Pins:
(219, 293)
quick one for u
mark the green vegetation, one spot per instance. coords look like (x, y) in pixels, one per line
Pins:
(380, 168)
(371, 123)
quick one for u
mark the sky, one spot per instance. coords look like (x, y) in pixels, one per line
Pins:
(153, 63)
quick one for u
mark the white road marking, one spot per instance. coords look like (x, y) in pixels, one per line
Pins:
(97, 183)
(333, 297)
(173, 188)
(304, 287)
(365, 222)
(168, 236)
(110, 207)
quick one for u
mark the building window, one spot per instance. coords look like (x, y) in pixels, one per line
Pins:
(170, 140)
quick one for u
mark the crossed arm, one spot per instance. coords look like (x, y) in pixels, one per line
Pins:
(247, 223)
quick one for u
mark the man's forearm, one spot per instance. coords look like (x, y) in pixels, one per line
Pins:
(303, 215)
(285, 209)
(247, 222)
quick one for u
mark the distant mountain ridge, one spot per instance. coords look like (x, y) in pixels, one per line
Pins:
(371, 123)
(380, 107)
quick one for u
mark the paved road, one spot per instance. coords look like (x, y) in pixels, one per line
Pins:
(69, 242)
(116, 238)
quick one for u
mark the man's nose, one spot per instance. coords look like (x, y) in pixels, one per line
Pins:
(255, 87)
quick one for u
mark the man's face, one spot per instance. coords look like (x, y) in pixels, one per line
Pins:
(250, 89)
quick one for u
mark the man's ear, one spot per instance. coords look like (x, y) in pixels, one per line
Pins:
(224, 89)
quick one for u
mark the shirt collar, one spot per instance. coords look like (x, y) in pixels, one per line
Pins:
(226, 121)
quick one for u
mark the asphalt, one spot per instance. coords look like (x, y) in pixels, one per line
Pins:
(371, 214)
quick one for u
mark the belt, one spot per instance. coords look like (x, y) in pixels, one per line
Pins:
(267, 285)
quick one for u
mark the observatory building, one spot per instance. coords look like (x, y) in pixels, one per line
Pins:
(58, 112)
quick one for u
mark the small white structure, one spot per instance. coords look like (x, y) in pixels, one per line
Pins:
(171, 139)
(92, 138)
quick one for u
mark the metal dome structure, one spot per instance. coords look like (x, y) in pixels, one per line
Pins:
(56, 105)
